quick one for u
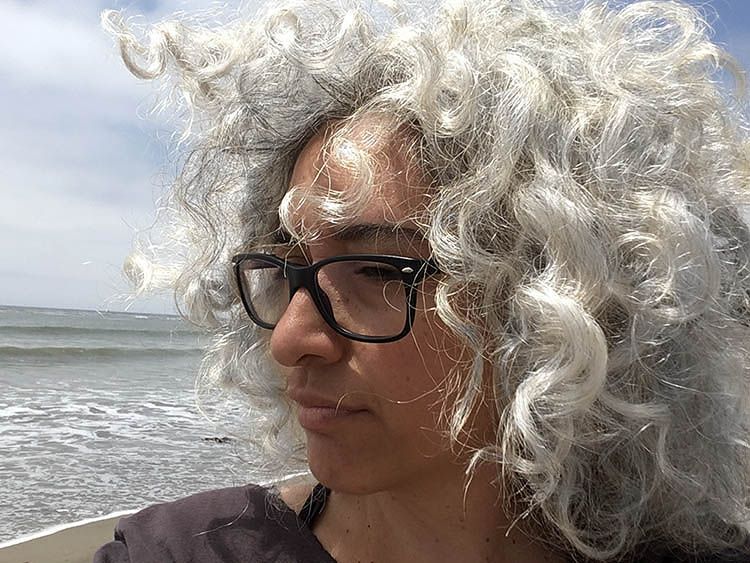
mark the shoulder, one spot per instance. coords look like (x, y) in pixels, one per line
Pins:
(202, 512)
(240, 523)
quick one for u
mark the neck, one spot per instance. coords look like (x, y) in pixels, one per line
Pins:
(427, 521)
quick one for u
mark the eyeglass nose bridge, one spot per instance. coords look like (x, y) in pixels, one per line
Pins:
(304, 277)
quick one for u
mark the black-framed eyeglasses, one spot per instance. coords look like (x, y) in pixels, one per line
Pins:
(365, 297)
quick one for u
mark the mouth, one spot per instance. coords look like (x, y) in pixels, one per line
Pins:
(317, 419)
(317, 414)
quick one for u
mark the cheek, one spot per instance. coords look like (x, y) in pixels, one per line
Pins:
(443, 363)
(418, 368)
(440, 351)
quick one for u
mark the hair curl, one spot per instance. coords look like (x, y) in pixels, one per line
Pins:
(590, 177)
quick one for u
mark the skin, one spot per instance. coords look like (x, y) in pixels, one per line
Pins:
(372, 412)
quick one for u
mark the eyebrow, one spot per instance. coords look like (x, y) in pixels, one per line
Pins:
(363, 232)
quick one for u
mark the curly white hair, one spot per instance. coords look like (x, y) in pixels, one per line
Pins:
(590, 176)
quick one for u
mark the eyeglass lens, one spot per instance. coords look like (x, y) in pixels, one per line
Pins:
(366, 298)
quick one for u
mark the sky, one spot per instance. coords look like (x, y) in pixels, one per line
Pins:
(81, 166)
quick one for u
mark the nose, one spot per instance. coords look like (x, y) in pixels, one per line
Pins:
(303, 337)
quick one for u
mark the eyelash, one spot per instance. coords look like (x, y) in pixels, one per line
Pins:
(380, 273)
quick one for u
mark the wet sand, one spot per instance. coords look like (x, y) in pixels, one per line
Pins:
(72, 545)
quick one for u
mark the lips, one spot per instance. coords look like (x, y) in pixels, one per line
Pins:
(318, 414)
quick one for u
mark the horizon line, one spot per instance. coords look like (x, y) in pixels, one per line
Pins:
(78, 309)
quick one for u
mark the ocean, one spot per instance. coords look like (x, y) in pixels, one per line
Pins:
(98, 415)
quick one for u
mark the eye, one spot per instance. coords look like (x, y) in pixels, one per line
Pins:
(379, 272)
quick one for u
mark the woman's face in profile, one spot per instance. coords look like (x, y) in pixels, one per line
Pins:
(371, 412)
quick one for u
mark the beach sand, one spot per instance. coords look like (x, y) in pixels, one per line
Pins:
(72, 545)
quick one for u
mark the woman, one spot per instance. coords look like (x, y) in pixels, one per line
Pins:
(484, 273)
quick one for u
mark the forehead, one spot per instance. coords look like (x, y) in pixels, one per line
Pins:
(370, 161)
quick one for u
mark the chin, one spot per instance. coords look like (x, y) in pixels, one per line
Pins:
(341, 469)
(341, 475)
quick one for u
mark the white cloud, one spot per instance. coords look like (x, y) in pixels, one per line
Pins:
(78, 165)
(42, 48)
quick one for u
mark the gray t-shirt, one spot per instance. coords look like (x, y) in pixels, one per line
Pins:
(251, 524)
(247, 523)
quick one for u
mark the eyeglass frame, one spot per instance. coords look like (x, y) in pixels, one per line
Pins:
(413, 272)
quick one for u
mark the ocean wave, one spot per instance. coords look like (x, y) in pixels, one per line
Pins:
(74, 352)
(48, 331)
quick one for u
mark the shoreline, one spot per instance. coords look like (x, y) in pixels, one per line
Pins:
(75, 542)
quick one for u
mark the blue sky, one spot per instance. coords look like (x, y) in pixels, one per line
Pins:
(81, 168)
